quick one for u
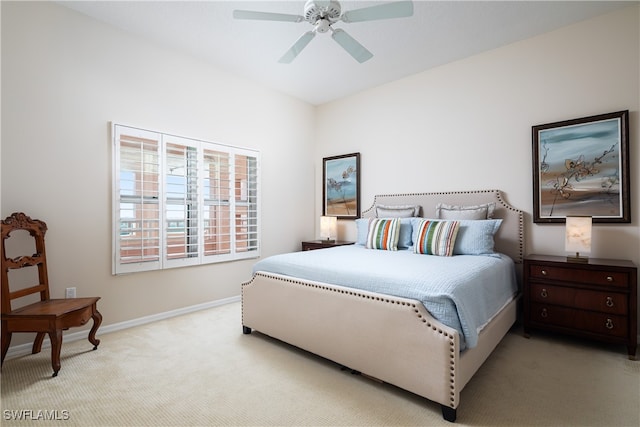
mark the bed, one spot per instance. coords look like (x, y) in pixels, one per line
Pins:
(421, 350)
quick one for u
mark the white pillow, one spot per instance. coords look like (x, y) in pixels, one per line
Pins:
(397, 211)
(484, 211)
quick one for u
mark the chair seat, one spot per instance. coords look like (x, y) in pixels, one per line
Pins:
(53, 307)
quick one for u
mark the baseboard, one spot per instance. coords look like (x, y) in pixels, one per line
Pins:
(22, 349)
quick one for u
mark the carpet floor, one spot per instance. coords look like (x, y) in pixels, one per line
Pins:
(200, 370)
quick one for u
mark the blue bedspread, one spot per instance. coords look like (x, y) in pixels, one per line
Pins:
(463, 291)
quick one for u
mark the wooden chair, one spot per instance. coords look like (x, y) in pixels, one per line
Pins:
(47, 316)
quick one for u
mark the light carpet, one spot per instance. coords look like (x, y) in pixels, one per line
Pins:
(200, 370)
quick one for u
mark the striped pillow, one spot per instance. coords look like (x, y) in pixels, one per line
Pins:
(383, 234)
(435, 237)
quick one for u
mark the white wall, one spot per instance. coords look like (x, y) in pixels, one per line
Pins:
(64, 77)
(467, 125)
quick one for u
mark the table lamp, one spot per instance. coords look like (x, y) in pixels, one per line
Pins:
(578, 238)
(328, 228)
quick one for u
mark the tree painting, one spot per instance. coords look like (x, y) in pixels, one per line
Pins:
(341, 190)
(579, 168)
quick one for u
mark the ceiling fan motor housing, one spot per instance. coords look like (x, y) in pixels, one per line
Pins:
(330, 10)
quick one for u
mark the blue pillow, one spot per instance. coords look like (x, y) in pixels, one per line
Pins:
(475, 237)
(404, 240)
(362, 226)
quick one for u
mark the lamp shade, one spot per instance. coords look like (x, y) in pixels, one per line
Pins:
(328, 227)
(578, 235)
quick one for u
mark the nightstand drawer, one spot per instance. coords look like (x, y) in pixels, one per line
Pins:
(606, 302)
(592, 276)
(587, 321)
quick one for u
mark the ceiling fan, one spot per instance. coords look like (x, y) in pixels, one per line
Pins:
(322, 14)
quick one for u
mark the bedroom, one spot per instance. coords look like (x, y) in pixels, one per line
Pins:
(60, 90)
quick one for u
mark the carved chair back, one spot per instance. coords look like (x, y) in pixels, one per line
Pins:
(37, 229)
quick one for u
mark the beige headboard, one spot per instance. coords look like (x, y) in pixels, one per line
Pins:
(509, 238)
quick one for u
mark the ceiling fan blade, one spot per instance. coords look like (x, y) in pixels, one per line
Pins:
(399, 9)
(297, 47)
(266, 16)
(355, 49)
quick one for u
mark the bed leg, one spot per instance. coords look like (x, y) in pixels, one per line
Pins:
(246, 330)
(448, 413)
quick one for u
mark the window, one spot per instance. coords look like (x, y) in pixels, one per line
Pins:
(180, 201)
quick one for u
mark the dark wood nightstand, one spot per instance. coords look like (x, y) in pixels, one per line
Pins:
(310, 245)
(596, 300)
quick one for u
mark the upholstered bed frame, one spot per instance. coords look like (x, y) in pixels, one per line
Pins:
(412, 350)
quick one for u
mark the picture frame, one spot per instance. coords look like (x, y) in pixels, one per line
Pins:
(581, 168)
(341, 186)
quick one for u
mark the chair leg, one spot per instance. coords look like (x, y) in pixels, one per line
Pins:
(6, 340)
(97, 320)
(37, 343)
(56, 345)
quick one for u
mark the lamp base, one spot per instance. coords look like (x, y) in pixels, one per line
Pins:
(578, 258)
(328, 240)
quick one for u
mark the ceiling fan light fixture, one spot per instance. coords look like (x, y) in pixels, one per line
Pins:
(323, 25)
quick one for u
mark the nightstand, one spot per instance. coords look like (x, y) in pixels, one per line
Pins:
(310, 245)
(596, 299)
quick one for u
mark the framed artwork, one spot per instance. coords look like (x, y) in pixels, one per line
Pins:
(581, 168)
(341, 186)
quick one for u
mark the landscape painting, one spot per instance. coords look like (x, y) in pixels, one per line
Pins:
(341, 182)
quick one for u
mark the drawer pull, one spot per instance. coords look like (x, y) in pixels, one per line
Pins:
(609, 278)
(544, 272)
(544, 314)
(609, 302)
(609, 324)
(544, 294)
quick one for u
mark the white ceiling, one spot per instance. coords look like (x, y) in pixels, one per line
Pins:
(438, 32)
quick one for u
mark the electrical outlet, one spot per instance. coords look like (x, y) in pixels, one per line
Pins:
(70, 292)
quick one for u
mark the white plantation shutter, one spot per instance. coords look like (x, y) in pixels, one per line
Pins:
(180, 201)
(137, 192)
(217, 203)
(246, 203)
